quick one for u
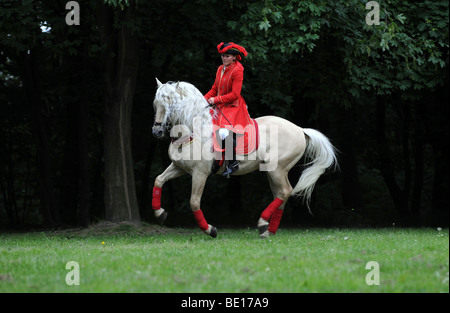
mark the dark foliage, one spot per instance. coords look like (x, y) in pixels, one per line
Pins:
(76, 107)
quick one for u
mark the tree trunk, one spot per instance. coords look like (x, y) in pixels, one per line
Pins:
(418, 144)
(50, 211)
(84, 182)
(119, 83)
(351, 190)
(398, 195)
(7, 174)
(437, 133)
(144, 196)
(68, 180)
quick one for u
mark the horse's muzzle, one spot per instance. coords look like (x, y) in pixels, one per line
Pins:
(158, 130)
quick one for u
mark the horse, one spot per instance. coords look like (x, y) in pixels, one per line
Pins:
(180, 108)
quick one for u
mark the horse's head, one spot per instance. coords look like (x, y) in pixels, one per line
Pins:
(165, 98)
(179, 103)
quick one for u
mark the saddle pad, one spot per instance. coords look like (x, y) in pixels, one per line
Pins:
(246, 142)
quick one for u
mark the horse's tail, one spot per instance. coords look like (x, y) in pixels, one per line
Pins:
(322, 156)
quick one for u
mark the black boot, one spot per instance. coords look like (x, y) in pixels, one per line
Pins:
(230, 165)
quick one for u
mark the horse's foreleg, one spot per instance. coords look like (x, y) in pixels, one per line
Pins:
(198, 184)
(171, 172)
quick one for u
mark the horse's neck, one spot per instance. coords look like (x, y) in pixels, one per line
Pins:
(192, 112)
(203, 132)
(199, 127)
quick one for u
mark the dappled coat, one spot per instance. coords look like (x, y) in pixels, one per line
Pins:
(226, 92)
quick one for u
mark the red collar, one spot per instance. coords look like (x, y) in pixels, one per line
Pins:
(182, 141)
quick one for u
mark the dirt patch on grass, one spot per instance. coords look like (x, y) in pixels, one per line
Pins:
(122, 228)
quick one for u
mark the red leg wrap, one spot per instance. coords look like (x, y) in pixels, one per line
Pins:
(275, 221)
(156, 200)
(267, 213)
(201, 220)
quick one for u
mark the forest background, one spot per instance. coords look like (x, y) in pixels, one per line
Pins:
(76, 107)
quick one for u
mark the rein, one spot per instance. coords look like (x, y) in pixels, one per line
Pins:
(217, 107)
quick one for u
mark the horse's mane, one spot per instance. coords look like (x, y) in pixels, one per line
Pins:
(186, 103)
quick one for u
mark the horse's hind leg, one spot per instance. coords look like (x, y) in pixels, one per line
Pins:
(271, 217)
(171, 172)
(198, 184)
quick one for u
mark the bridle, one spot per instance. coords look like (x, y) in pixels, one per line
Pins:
(167, 125)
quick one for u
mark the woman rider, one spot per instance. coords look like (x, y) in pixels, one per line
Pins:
(226, 95)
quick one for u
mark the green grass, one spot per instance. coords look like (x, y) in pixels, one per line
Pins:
(184, 260)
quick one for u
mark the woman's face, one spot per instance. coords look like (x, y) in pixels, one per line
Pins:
(227, 59)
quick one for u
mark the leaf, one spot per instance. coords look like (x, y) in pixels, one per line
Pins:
(264, 25)
(384, 45)
(354, 92)
(401, 18)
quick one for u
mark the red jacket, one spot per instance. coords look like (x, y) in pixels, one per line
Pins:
(226, 92)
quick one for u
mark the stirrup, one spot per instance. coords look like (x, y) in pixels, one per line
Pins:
(230, 168)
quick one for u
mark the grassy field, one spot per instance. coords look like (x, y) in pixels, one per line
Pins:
(125, 258)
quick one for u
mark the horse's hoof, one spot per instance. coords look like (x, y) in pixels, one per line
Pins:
(265, 234)
(162, 218)
(212, 231)
(262, 229)
(263, 225)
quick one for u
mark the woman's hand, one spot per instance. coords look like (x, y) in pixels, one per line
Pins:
(211, 101)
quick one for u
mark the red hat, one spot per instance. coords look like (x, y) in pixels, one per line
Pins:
(232, 48)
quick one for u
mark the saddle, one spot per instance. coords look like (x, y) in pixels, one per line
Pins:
(247, 141)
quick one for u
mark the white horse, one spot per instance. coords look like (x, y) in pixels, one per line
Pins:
(281, 146)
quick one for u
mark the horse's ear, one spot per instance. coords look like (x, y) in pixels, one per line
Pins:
(178, 85)
(158, 82)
